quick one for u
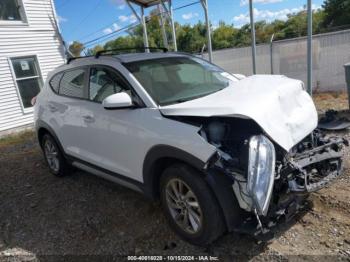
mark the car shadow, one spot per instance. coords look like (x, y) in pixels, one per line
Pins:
(246, 246)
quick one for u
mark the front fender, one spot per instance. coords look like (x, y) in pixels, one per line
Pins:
(155, 157)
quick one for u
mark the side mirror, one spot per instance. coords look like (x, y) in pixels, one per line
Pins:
(119, 100)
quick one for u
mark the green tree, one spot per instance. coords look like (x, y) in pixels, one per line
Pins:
(243, 36)
(94, 50)
(191, 38)
(124, 42)
(223, 36)
(296, 25)
(337, 13)
(75, 48)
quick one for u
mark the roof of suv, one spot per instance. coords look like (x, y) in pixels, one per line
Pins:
(129, 57)
(132, 57)
(122, 58)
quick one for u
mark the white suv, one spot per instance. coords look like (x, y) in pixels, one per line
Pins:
(222, 152)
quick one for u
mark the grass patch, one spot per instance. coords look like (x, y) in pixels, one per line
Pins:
(17, 138)
(331, 100)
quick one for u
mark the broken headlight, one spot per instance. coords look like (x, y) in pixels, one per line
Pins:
(261, 172)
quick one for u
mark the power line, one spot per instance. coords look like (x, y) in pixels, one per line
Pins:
(90, 13)
(183, 6)
(99, 30)
(107, 36)
(178, 8)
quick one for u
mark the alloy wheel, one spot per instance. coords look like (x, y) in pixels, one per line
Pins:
(184, 206)
(51, 154)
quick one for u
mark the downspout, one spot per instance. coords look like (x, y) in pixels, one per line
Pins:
(65, 49)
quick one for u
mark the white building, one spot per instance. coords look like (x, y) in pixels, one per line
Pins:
(30, 47)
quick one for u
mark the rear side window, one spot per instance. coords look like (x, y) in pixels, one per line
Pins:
(72, 83)
(55, 82)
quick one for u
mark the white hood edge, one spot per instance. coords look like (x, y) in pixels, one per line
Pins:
(279, 105)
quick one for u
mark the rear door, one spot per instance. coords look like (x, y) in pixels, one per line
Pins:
(65, 109)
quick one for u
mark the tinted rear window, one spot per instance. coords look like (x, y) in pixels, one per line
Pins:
(72, 83)
(55, 82)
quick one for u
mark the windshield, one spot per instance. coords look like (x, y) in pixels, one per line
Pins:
(173, 80)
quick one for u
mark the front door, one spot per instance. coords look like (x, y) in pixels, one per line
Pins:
(115, 139)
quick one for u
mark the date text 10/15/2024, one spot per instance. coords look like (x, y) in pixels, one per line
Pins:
(173, 258)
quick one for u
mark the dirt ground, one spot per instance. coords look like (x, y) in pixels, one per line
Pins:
(83, 217)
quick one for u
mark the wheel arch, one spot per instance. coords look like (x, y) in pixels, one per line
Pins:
(42, 128)
(160, 157)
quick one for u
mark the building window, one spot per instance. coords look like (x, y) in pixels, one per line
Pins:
(11, 10)
(28, 78)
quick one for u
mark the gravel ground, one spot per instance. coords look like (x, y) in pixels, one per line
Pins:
(83, 215)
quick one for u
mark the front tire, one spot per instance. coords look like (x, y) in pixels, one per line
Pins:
(54, 157)
(190, 206)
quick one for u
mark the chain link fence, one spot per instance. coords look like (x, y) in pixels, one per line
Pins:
(289, 57)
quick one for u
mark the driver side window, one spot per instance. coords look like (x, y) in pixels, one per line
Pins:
(105, 82)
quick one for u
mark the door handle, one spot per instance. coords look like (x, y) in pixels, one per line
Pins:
(88, 119)
(52, 108)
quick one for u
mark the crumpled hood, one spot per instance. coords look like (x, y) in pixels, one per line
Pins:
(278, 104)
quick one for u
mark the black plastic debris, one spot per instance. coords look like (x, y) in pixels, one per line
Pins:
(333, 120)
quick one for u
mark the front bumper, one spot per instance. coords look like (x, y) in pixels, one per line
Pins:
(306, 169)
(300, 174)
(314, 169)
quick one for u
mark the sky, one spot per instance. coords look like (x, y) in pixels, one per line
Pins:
(85, 20)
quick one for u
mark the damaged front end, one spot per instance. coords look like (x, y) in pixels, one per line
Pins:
(269, 183)
(313, 163)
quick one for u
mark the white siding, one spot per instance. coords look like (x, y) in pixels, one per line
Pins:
(37, 38)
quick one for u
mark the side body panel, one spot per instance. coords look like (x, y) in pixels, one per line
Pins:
(117, 140)
(61, 114)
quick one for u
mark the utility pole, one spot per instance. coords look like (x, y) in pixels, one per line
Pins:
(271, 52)
(172, 24)
(142, 21)
(309, 46)
(252, 26)
(207, 22)
(145, 36)
(162, 26)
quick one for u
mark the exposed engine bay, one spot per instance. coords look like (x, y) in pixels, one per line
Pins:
(267, 180)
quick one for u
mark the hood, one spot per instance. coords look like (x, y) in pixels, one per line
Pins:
(279, 105)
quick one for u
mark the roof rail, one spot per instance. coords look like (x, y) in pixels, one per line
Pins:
(76, 57)
(99, 53)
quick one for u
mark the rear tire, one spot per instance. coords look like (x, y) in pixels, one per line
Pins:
(54, 157)
(190, 206)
